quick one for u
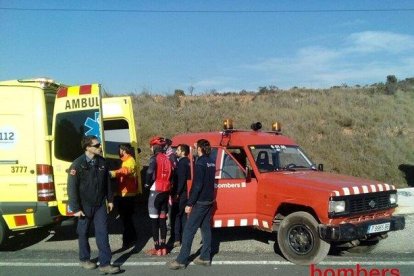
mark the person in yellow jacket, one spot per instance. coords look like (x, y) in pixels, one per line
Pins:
(127, 186)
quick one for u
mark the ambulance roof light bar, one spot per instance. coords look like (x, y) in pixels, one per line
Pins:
(45, 79)
(44, 82)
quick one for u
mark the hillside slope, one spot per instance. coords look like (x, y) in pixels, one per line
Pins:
(355, 131)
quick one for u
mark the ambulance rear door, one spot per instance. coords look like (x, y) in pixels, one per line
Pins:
(77, 113)
(119, 128)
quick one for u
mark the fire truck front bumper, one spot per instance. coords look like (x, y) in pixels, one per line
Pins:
(363, 230)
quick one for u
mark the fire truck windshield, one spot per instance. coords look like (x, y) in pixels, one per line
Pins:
(270, 158)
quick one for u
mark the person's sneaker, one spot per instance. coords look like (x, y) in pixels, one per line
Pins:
(109, 269)
(177, 244)
(152, 252)
(174, 265)
(87, 265)
(199, 261)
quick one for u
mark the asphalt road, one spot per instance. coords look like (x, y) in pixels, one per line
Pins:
(238, 251)
(224, 264)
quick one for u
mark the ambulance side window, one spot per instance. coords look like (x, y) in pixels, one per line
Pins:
(70, 127)
(230, 168)
(116, 132)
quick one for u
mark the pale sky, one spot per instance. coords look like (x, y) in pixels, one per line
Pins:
(160, 46)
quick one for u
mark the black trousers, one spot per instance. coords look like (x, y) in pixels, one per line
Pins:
(180, 218)
(126, 209)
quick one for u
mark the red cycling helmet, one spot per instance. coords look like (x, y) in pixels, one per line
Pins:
(157, 140)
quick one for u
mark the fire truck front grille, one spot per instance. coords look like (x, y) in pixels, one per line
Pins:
(364, 203)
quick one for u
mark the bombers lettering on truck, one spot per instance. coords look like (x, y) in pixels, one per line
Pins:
(81, 103)
(230, 185)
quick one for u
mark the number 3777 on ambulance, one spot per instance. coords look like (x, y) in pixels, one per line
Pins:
(41, 126)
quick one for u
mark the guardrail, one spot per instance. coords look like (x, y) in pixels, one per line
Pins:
(405, 201)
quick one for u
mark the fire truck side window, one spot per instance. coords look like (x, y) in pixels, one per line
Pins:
(240, 155)
(230, 168)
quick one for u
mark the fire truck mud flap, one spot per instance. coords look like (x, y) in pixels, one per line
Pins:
(348, 232)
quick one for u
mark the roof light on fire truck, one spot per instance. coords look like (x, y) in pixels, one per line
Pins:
(256, 126)
(276, 126)
(228, 124)
(337, 206)
(393, 199)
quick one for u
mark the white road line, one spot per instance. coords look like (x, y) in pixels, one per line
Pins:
(330, 263)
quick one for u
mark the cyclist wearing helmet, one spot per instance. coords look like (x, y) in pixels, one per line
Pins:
(158, 196)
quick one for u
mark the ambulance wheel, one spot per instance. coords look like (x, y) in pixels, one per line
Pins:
(3, 231)
(299, 241)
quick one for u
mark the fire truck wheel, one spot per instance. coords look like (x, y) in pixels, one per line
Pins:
(299, 241)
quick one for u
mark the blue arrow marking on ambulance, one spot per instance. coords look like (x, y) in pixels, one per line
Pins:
(94, 126)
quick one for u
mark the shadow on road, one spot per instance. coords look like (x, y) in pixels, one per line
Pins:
(221, 235)
(142, 224)
(23, 239)
(408, 170)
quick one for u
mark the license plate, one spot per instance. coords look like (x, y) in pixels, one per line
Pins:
(379, 227)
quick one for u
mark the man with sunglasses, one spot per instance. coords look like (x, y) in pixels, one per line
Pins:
(89, 190)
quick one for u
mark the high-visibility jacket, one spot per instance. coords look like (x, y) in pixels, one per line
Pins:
(126, 176)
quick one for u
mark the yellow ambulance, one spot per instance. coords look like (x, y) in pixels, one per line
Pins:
(41, 126)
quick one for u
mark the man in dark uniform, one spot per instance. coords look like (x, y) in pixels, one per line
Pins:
(182, 174)
(89, 190)
(199, 208)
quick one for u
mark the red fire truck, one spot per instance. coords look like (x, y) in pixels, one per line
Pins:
(265, 180)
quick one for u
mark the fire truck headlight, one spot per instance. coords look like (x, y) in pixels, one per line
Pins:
(337, 206)
(393, 199)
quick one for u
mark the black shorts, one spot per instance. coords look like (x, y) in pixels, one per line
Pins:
(158, 204)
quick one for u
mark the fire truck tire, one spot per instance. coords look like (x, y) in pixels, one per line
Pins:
(299, 241)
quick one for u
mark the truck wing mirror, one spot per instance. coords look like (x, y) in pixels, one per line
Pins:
(320, 167)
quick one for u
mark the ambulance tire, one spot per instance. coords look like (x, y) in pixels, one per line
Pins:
(299, 241)
(3, 232)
